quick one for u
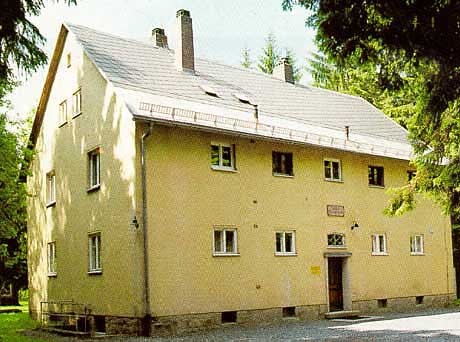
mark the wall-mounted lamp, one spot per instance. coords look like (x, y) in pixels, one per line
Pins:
(354, 225)
(134, 222)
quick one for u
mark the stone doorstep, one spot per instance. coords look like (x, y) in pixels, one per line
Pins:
(341, 314)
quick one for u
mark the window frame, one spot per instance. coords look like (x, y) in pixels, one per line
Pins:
(344, 245)
(283, 252)
(51, 259)
(94, 261)
(50, 192)
(413, 250)
(376, 244)
(69, 59)
(220, 166)
(94, 152)
(372, 167)
(76, 102)
(331, 161)
(63, 112)
(281, 174)
(223, 251)
(411, 174)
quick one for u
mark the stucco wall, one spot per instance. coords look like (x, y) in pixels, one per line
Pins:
(104, 123)
(187, 198)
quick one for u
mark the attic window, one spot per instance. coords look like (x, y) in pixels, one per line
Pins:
(69, 60)
(243, 98)
(209, 90)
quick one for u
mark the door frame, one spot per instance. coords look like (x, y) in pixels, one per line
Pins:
(346, 278)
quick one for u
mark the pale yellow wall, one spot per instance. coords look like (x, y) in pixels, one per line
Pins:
(187, 198)
(104, 123)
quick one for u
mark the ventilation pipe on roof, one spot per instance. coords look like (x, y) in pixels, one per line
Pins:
(159, 38)
(185, 56)
(283, 71)
(256, 111)
(347, 132)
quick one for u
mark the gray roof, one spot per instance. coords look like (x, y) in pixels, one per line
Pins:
(141, 66)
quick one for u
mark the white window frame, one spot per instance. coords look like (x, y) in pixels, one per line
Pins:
(344, 245)
(283, 243)
(51, 257)
(94, 181)
(220, 166)
(50, 188)
(223, 251)
(376, 245)
(413, 244)
(76, 103)
(281, 174)
(331, 161)
(383, 176)
(95, 260)
(63, 113)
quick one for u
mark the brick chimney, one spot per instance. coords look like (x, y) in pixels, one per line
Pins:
(185, 57)
(159, 38)
(283, 71)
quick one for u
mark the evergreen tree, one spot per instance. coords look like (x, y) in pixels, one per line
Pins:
(270, 55)
(422, 37)
(246, 61)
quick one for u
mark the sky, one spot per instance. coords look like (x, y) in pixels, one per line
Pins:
(221, 30)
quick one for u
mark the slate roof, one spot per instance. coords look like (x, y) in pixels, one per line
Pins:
(147, 71)
(142, 66)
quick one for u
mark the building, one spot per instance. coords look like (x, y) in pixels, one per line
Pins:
(171, 193)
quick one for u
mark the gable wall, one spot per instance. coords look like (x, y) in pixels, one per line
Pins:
(104, 123)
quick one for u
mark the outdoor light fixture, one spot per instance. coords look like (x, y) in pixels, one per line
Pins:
(354, 225)
(134, 222)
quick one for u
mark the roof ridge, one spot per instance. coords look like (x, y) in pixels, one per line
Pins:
(69, 26)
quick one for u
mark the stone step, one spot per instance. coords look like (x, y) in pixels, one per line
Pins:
(341, 314)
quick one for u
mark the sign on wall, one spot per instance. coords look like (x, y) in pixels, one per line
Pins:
(315, 270)
(335, 210)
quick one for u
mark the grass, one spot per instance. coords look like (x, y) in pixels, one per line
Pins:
(11, 324)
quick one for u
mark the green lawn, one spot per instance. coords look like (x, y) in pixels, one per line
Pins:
(11, 324)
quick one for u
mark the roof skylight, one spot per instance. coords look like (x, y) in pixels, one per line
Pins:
(209, 90)
(243, 98)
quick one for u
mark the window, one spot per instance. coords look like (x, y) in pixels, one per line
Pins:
(332, 170)
(336, 240)
(376, 175)
(225, 242)
(285, 243)
(410, 175)
(52, 259)
(416, 244)
(94, 166)
(69, 60)
(379, 244)
(282, 164)
(76, 103)
(50, 188)
(222, 156)
(62, 113)
(95, 253)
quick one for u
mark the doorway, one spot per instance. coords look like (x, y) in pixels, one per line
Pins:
(335, 284)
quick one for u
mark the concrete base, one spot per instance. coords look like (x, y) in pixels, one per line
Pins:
(181, 324)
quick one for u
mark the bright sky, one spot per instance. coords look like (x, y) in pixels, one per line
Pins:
(221, 30)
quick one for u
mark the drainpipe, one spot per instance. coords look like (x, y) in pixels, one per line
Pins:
(146, 325)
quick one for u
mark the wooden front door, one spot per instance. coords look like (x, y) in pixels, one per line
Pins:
(335, 284)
